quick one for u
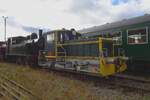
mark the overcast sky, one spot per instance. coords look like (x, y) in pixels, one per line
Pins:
(25, 16)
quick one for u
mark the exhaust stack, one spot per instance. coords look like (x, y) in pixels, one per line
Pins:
(40, 33)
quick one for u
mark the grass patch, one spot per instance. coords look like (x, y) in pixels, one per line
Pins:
(51, 86)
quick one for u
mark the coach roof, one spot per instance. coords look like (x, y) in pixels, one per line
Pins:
(117, 24)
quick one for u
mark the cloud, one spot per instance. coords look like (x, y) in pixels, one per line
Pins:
(26, 16)
(78, 6)
(31, 29)
(3, 10)
(89, 11)
(12, 22)
(97, 12)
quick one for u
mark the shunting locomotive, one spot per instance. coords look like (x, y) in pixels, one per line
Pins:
(67, 50)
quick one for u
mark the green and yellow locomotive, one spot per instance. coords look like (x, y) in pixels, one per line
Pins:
(67, 50)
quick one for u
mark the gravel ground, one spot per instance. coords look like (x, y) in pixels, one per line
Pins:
(52, 86)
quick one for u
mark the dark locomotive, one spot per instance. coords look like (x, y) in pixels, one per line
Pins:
(23, 50)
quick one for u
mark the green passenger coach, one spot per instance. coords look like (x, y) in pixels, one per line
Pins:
(132, 38)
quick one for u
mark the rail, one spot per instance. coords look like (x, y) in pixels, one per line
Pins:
(13, 90)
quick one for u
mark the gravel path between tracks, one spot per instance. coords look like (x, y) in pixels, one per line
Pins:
(52, 86)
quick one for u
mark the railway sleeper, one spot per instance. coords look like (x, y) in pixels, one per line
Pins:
(20, 88)
(9, 93)
(16, 91)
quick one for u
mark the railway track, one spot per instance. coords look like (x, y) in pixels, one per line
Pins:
(14, 91)
(133, 83)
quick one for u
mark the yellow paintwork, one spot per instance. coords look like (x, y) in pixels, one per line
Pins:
(123, 67)
(73, 57)
(79, 43)
(50, 57)
(108, 69)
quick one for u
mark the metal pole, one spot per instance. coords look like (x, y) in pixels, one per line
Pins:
(5, 28)
(5, 19)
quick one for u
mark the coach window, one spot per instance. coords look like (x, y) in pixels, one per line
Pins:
(138, 36)
(117, 37)
(50, 37)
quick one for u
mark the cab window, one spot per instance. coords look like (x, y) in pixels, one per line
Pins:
(50, 37)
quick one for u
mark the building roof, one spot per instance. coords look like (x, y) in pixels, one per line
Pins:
(125, 22)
